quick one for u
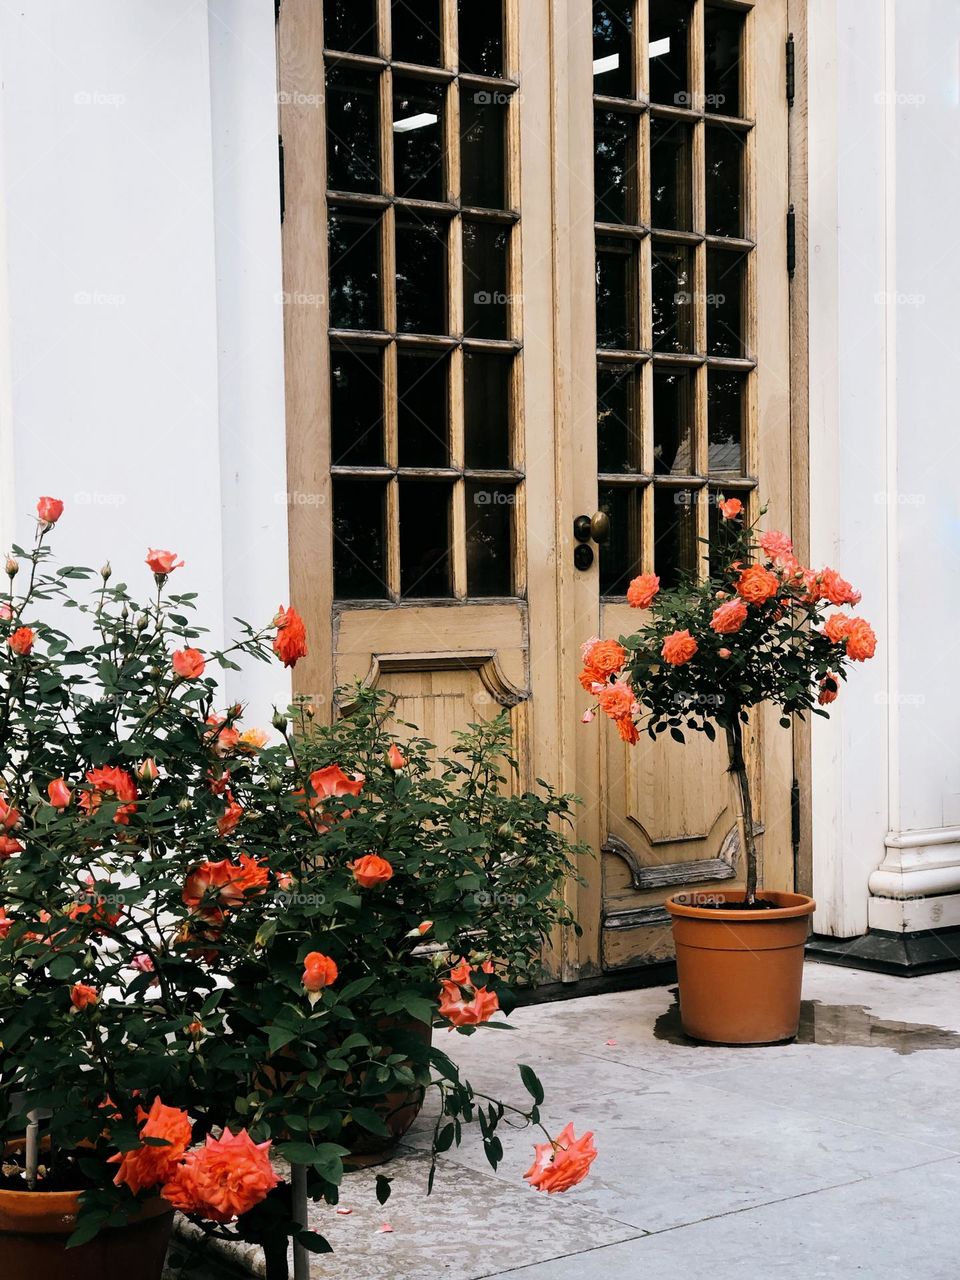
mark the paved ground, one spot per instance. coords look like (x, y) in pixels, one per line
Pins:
(834, 1157)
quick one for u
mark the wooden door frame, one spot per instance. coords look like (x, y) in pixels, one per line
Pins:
(559, 347)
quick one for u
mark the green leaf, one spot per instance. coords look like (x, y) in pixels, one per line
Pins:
(531, 1083)
(313, 1242)
(383, 1188)
(369, 1120)
(677, 735)
(277, 1037)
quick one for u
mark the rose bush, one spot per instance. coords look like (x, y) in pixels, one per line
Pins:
(753, 631)
(216, 945)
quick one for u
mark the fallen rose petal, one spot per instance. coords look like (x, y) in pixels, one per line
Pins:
(384, 1228)
(344, 1212)
(611, 1043)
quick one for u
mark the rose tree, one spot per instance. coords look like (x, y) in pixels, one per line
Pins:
(760, 628)
(215, 947)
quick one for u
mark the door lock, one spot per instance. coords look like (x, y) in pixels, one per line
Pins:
(587, 529)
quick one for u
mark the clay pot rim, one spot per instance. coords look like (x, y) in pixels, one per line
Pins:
(794, 905)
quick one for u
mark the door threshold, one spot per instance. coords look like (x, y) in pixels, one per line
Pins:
(659, 974)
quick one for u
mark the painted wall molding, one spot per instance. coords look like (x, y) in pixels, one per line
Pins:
(919, 863)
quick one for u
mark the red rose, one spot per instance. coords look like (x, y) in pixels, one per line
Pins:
(49, 510)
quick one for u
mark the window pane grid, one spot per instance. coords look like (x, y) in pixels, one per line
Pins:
(424, 288)
(687, 343)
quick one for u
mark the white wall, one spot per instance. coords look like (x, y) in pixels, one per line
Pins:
(884, 279)
(142, 252)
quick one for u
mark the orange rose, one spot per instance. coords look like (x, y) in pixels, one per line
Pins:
(8, 847)
(560, 1165)
(327, 783)
(463, 1011)
(220, 735)
(617, 700)
(730, 508)
(679, 648)
(729, 617)
(371, 870)
(21, 641)
(163, 562)
(724, 653)
(249, 879)
(49, 510)
(110, 783)
(829, 688)
(148, 1166)
(252, 740)
(756, 584)
(395, 757)
(319, 971)
(147, 770)
(82, 996)
(290, 642)
(230, 816)
(861, 640)
(603, 657)
(641, 591)
(9, 817)
(836, 589)
(225, 1178)
(205, 882)
(836, 627)
(6, 923)
(778, 548)
(188, 663)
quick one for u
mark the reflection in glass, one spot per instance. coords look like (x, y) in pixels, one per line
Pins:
(724, 303)
(481, 37)
(418, 139)
(354, 270)
(359, 552)
(725, 418)
(615, 167)
(350, 25)
(724, 182)
(618, 418)
(415, 31)
(674, 535)
(485, 298)
(421, 276)
(489, 539)
(486, 409)
(424, 538)
(353, 130)
(620, 556)
(669, 70)
(673, 416)
(482, 169)
(722, 30)
(356, 407)
(616, 293)
(671, 205)
(422, 410)
(671, 298)
(613, 48)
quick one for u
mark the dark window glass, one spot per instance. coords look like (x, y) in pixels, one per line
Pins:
(616, 294)
(725, 415)
(424, 538)
(481, 37)
(673, 415)
(615, 167)
(613, 48)
(724, 303)
(489, 539)
(620, 555)
(418, 140)
(671, 204)
(669, 70)
(482, 169)
(671, 300)
(350, 25)
(415, 30)
(618, 419)
(485, 300)
(354, 270)
(422, 399)
(722, 30)
(724, 182)
(421, 276)
(359, 559)
(675, 535)
(486, 409)
(353, 131)
(356, 407)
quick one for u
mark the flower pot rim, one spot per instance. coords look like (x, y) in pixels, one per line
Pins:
(790, 906)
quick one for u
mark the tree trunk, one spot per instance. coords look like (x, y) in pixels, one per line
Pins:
(275, 1254)
(739, 770)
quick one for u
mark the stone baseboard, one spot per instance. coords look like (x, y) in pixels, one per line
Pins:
(907, 954)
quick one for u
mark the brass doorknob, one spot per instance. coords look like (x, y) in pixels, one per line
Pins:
(600, 527)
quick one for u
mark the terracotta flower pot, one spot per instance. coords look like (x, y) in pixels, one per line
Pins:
(35, 1225)
(740, 971)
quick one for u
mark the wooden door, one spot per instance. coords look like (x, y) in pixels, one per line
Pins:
(462, 179)
(693, 403)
